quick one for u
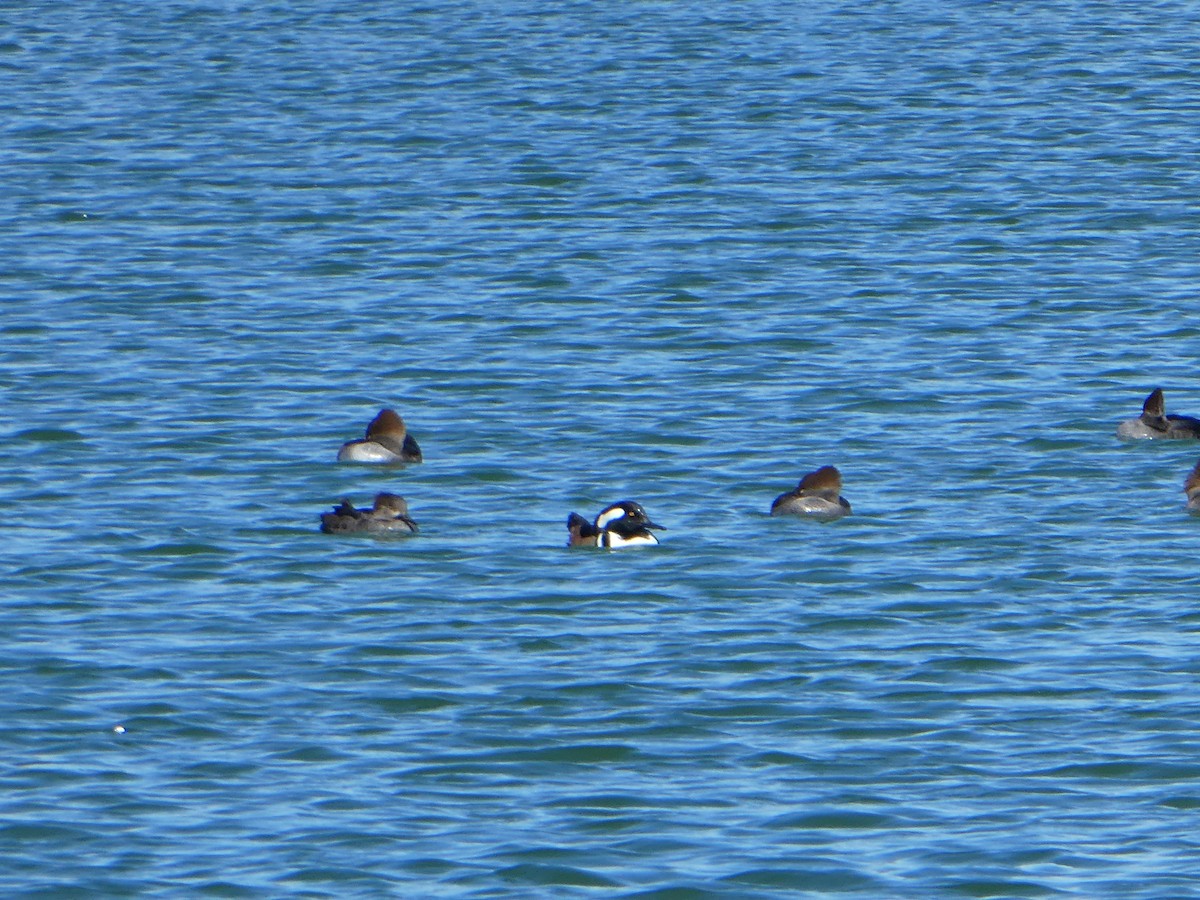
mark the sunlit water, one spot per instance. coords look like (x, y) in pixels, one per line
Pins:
(682, 253)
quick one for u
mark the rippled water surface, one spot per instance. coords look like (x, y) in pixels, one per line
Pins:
(678, 252)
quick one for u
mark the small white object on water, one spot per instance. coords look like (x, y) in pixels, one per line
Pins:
(118, 729)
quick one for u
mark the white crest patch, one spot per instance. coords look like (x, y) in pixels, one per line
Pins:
(609, 515)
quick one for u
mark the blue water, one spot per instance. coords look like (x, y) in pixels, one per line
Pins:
(677, 252)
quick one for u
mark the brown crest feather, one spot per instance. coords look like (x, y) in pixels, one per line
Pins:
(387, 424)
(826, 478)
(1155, 405)
(385, 502)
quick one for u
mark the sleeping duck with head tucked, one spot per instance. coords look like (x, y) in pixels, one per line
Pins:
(388, 515)
(817, 496)
(1155, 423)
(387, 441)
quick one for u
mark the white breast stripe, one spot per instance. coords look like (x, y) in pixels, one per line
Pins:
(614, 540)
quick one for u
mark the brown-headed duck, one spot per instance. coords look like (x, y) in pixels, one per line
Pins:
(388, 515)
(387, 441)
(1154, 423)
(818, 496)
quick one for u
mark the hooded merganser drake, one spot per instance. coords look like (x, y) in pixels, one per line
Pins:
(1191, 487)
(817, 495)
(388, 515)
(387, 441)
(623, 524)
(1153, 423)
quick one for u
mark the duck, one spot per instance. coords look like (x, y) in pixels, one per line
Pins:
(388, 514)
(622, 524)
(387, 441)
(817, 496)
(1191, 487)
(1153, 423)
